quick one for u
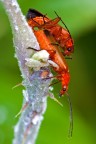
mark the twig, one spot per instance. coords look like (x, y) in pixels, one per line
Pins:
(36, 88)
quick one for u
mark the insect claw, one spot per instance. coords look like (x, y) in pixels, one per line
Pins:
(68, 58)
(60, 95)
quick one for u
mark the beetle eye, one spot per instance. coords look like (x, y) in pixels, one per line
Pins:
(69, 49)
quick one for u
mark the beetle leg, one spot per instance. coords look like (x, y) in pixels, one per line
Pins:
(58, 34)
(53, 64)
(51, 23)
(30, 48)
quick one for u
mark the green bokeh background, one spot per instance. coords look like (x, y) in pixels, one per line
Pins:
(80, 17)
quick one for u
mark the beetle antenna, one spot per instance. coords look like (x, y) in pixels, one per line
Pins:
(44, 16)
(71, 116)
(63, 23)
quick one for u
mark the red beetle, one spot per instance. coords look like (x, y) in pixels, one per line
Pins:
(45, 39)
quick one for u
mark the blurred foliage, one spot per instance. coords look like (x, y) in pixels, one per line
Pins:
(80, 17)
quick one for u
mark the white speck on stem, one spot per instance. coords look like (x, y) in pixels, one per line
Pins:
(16, 129)
(51, 88)
(25, 94)
(36, 119)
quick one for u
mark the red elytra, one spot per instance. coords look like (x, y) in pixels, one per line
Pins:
(61, 35)
(44, 38)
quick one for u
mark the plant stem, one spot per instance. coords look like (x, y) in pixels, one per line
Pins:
(36, 88)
